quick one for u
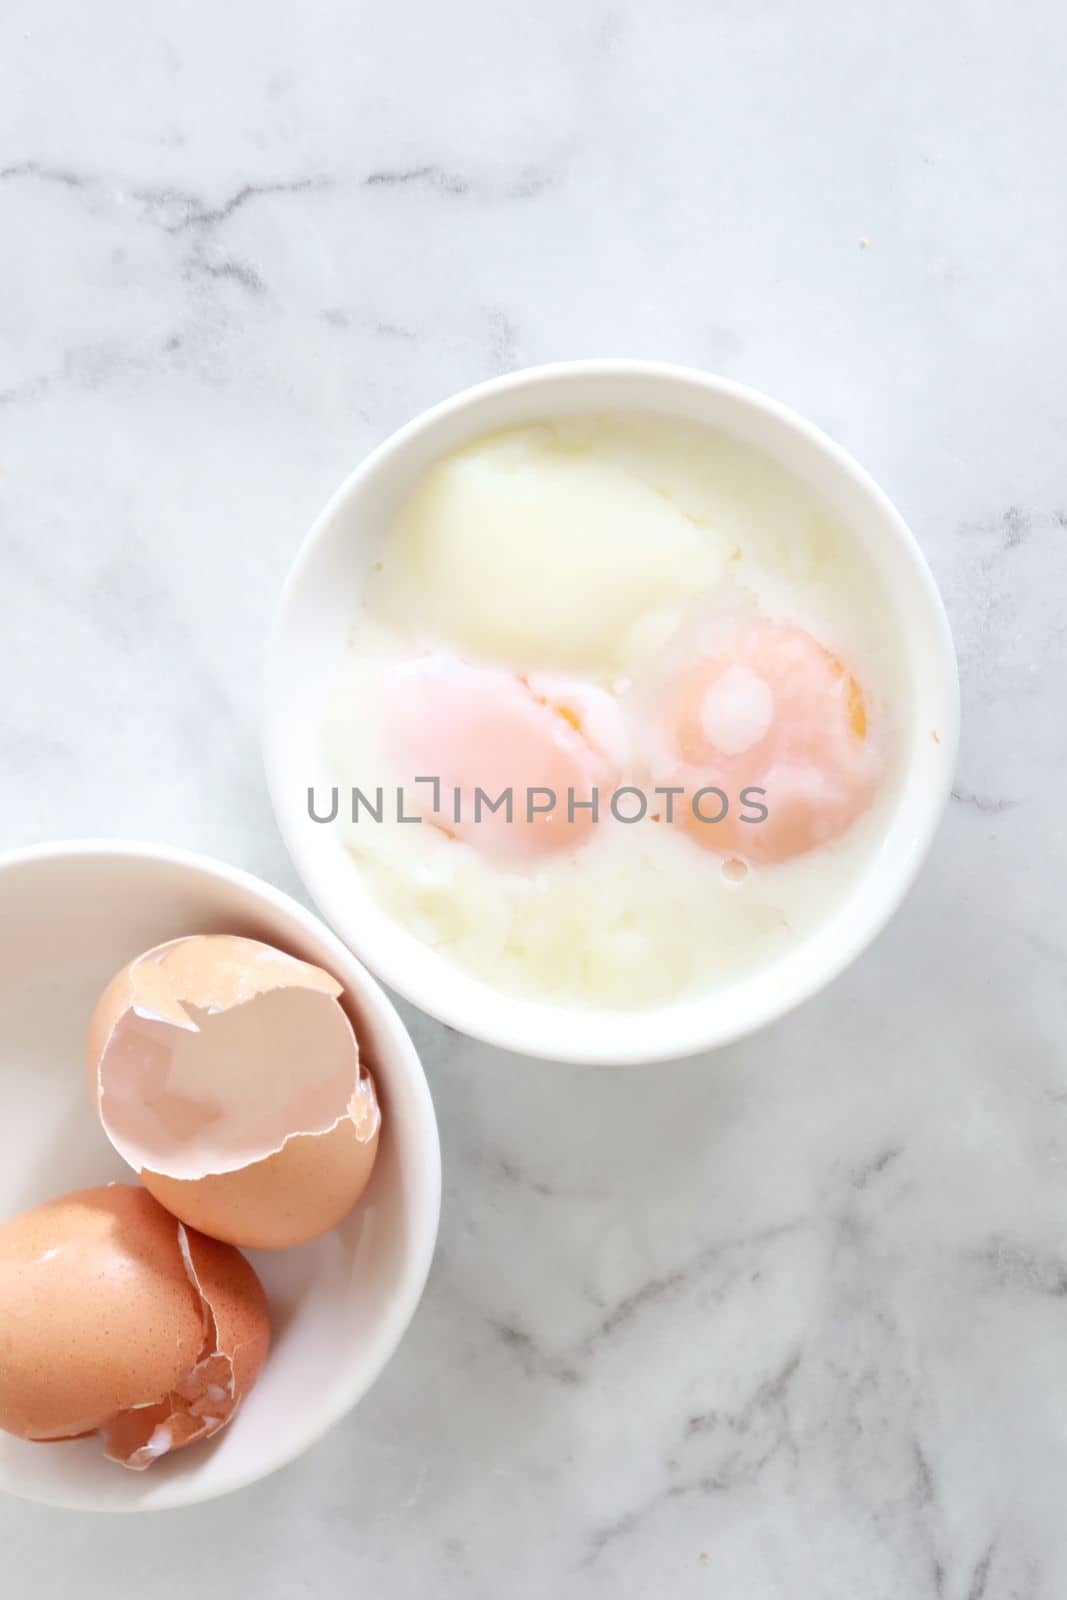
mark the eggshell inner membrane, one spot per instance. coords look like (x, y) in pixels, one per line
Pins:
(208, 1054)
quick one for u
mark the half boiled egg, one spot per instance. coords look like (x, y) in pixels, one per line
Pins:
(511, 765)
(769, 712)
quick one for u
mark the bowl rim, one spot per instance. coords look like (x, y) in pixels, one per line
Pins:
(426, 1211)
(925, 815)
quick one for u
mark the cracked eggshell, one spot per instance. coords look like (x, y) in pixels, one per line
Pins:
(307, 1188)
(115, 1319)
(226, 1073)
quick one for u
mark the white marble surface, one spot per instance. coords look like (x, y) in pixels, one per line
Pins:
(785, 1324)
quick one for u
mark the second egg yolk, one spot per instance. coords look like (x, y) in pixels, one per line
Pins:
(767, 708)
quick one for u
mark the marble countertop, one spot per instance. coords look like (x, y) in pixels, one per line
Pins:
(788, 1323)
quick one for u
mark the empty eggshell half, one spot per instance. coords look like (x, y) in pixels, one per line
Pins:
(115, 1319)
(227, 1074)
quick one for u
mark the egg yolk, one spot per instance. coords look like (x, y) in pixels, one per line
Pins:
(462, 736)
(768, 708)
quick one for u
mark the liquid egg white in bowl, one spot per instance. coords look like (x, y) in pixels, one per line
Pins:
(861, 588)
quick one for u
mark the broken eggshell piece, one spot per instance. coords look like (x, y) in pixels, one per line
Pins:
(227, 1075)
(115, 1319)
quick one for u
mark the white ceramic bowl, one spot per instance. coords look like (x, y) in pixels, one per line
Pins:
(70, 916)
(316, 616)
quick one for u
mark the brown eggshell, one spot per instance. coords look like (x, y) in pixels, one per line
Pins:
(238, 1304)
(295, 1195)
(237, 1338)
(258, 1149)
(116, 1319)
(97, 1312)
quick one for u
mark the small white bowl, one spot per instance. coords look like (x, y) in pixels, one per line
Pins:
(71, 915)
(316, 616)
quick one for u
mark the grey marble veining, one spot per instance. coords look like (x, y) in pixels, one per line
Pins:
(786, 1322)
